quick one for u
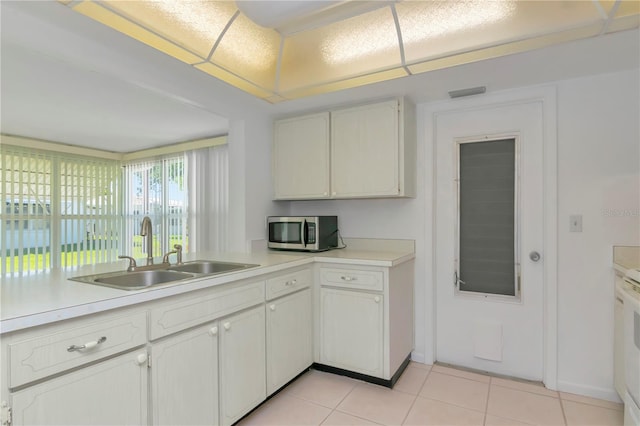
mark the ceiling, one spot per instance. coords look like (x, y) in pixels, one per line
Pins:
(282, 50)
(67, 78)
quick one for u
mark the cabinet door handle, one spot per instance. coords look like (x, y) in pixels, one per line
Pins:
(87, 345)
(227, 326)
(272, 307)
(377, 299)
(141, 359)
(213, 331)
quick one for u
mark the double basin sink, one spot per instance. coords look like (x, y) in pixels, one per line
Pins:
(138, 280)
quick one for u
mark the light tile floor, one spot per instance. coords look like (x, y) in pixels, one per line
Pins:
(429, 395)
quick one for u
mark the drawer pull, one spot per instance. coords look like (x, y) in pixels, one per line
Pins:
(347, 278)
(87, 345)
(292, 282)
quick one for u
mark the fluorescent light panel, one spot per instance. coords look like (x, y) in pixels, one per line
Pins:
(347, 44)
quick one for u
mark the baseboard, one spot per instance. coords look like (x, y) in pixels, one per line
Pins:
(591, 391)
(366, 378)
(418, 357)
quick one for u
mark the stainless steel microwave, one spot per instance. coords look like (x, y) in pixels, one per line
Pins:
(307, 233)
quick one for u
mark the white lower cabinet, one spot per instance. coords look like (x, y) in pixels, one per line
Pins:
(210, 356)
(184, 378)
(242, 363)
(289, 338)
(365, 320)
(112, 392)
(351, 330)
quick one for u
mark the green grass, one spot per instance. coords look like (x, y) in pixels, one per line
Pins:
(71, 256)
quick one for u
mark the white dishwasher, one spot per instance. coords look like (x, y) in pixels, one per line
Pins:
(631, 295)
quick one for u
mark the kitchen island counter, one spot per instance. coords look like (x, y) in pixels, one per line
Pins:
(49, 297)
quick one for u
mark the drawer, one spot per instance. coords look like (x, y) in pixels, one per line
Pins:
(288, 283)
(190, 311)
(352, 278)
(80, 343)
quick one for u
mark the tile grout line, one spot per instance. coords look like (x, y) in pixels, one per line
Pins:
(486, 405)
(415, 397)
(564, 415)
(342, 400)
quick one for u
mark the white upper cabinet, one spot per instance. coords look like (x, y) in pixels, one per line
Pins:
(301, 157)
(365, 148)
(370, 152)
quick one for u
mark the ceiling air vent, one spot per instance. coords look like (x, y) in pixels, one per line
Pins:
(467, 92)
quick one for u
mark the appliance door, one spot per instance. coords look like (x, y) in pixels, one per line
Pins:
(632, 342)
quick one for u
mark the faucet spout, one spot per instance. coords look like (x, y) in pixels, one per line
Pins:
(146, 230)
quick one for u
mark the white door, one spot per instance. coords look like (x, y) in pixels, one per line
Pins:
(242, 364)
(491, 327)
(112, 392)
(289, 338)
(186, 365)
(301, 148)
(364, 151)
(351, 330)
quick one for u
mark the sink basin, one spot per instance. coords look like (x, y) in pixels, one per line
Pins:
(134, 280)
(138, 280)
(210, 267)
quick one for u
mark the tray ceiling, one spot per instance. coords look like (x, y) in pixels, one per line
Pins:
(304, 48)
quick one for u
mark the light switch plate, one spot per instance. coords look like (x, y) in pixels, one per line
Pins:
(575, 223)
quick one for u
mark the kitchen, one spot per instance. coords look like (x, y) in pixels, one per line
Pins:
(595, 81)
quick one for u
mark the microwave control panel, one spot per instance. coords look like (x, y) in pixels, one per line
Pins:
(311, 233)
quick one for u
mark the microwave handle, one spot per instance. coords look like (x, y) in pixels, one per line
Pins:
(303, 230)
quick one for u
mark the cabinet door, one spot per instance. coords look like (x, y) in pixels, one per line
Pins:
(289, 338)
(365, 151)
(112, 392)
(301, 157)
(351, 331)
(184, 377)
(242, 364)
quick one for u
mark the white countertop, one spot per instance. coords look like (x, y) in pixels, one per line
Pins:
(44, 298)
(625, 258)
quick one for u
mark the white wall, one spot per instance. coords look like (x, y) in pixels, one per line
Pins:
(599, 173)
(598, 156)
(250, 187)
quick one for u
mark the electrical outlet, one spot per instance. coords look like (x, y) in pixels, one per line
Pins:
(575, 223)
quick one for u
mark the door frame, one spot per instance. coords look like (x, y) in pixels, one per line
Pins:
(546, 96)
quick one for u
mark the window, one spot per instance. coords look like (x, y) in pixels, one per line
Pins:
(181, 193)
(487, 226)
(156, 188)
(64, 211)
(61, 210)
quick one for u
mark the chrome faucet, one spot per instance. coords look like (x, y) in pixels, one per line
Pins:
(177, 251)
(146, 230)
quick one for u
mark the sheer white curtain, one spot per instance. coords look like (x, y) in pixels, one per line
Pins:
(208, 193)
